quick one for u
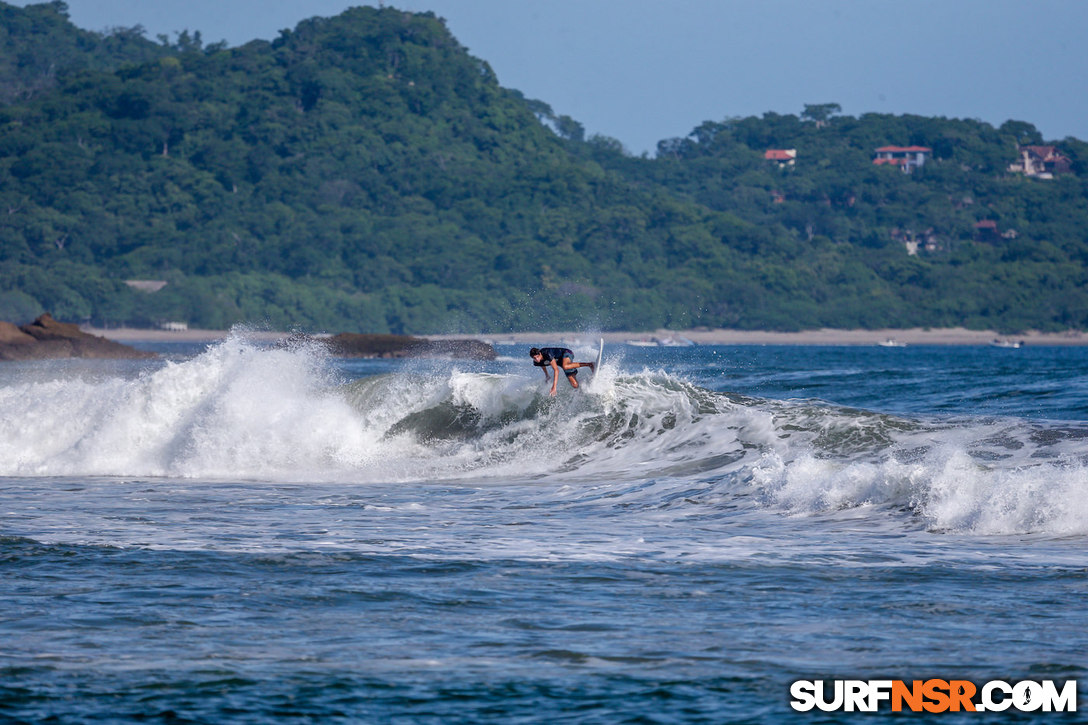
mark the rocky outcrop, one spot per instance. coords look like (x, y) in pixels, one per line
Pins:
(45, 338)
(348, 344)
(12, 335)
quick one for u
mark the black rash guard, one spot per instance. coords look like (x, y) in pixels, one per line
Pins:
(557, 354)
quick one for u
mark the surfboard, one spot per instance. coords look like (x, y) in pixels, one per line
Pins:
(600, 354)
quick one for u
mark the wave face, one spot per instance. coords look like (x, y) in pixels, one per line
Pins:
(239, 412)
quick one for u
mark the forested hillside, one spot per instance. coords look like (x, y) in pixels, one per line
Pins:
(365, 173)
(834, 223)
(38, 45)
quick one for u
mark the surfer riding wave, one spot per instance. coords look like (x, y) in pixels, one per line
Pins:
(558, 358)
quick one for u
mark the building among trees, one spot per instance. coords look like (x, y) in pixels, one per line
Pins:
(1042, 162)
(907, 158)
(783, 157)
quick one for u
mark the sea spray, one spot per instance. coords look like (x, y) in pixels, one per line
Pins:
(239, 411)
(233, 411)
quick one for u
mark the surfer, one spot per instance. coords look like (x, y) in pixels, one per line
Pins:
(556, 358)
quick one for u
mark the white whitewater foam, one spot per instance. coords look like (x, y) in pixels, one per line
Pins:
(234, 411)
(240, 412)
(949, 490)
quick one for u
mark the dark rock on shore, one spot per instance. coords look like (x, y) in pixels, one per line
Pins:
(45, 338)
(348, 344)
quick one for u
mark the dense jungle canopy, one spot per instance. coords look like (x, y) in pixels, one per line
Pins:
(365, 173)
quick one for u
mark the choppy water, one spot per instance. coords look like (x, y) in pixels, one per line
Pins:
(256, 535)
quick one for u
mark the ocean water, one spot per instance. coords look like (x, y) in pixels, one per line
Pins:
(242, 534)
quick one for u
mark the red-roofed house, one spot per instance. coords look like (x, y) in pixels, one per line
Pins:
(907, 158)
(784, 157)
(986, 231)
(1042, 162)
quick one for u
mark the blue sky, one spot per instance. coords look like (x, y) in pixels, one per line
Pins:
(644, 70)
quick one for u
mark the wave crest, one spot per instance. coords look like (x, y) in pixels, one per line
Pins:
(240, 412)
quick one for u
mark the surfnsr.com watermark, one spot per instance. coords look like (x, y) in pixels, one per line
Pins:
(933, 696)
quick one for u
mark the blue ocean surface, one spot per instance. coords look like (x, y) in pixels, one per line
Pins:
(246, 534)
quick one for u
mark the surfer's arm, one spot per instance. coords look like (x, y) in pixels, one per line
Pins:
(555, 376)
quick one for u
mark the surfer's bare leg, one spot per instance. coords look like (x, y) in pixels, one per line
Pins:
(568, 365)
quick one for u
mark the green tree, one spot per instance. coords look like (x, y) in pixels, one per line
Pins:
(820, 112)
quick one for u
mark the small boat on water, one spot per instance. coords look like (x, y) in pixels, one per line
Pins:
(892, 342)
(1008, 344)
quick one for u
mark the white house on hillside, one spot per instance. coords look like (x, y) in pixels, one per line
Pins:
(907, 158)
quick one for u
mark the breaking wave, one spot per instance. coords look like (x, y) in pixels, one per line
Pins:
(240, 412)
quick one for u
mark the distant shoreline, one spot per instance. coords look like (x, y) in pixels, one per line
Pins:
(135, 334)
(824, 337)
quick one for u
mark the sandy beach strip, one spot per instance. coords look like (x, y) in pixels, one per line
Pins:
(824, 337)
(136, 334)
(908, 337)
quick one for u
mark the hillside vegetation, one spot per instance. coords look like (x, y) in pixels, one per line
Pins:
(38, 45)
(365, 173)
